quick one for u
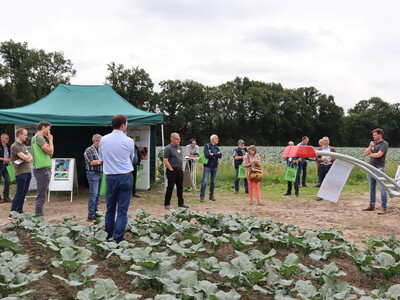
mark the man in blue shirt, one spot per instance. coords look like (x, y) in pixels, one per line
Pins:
(212, 152)
(116, 152)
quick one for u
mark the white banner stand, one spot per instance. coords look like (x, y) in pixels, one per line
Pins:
(335, 180)
(63, 176)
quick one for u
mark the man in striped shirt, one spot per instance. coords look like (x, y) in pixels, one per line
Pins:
(94, 170)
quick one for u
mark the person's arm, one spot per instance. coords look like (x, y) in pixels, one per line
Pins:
(26, 157)
(246, 161)
(48, 148)
(218, 154)
(368, 151)
(207, 152)
(167, 164)
(377, 155)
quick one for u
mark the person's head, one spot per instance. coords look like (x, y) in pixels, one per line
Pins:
(305, 140)
(119, 122)
(193, 143)
(21, 134)
(241, 143)
(5, 138)
(252, 150)
(290, 143)
(377, 134)
(43, 127)
(214, 139)
(325, 141)
(96, 140)
(320, 142)
(175, 139)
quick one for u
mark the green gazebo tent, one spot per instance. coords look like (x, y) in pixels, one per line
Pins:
(76, 113)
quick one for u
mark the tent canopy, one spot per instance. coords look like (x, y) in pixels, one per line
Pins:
(79, 105)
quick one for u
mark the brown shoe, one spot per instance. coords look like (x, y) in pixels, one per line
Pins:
(369, 208)
(382, 211)
(7, 199)
(212, 198)
(202, 200)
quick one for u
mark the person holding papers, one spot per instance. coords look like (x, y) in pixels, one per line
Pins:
(21, 159)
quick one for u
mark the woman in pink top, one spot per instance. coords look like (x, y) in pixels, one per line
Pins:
(252, 160)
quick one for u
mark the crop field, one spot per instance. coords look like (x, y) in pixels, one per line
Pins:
(187, 255)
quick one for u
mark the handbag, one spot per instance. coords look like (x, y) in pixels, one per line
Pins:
(255, 174)
(242, 172)
(291, 173)
(202, 158)
(41, 158)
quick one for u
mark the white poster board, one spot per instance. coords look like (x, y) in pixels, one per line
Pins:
(63, 175)
(141, 133)
(335, 180)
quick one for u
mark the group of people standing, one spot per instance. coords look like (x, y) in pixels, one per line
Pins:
(19, 156)
(173, 161)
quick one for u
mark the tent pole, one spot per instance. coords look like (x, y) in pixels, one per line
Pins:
(162, 142)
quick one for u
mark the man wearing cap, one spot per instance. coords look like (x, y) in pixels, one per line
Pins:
(238, 155)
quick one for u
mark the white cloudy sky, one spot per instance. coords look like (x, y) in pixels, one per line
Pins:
(349, 49)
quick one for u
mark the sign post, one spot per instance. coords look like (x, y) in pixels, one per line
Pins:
(63, 176)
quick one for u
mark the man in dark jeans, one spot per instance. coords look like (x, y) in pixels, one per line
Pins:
(4, 160)
(136, 165)
(173, 161)
(238, 155)
(21, 159)
(303, 163)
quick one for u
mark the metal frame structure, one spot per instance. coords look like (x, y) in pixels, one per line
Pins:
(388, 183)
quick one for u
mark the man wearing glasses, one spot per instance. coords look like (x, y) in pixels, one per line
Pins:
(4, 160)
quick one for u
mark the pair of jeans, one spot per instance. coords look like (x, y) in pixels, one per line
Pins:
(175, 177)
(206, 174)
(237, 179)
(118, 197)
(7, 180)
(372, 191)
(134, 174)
(42, 182)
(323, 170)
(94, 179)
(256, 186)
(303, 169)
(23, 180)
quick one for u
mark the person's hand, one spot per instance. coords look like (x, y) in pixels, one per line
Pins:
(49, 136)
(7, 160)
(371, 144)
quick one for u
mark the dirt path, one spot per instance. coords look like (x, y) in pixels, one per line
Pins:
(345, 216)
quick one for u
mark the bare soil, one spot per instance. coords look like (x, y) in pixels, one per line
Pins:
(305, 211)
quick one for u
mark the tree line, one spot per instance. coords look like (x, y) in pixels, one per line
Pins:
(260, 113)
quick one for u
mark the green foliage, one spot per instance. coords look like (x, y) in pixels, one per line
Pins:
(30, 74)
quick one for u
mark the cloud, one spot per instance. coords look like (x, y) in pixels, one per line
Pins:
(286, 39)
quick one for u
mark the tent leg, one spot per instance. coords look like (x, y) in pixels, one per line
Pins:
(48, 196)
(162, 142)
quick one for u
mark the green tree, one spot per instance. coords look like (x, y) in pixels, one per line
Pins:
(134, 85)
(28, 74)
(364, 117)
